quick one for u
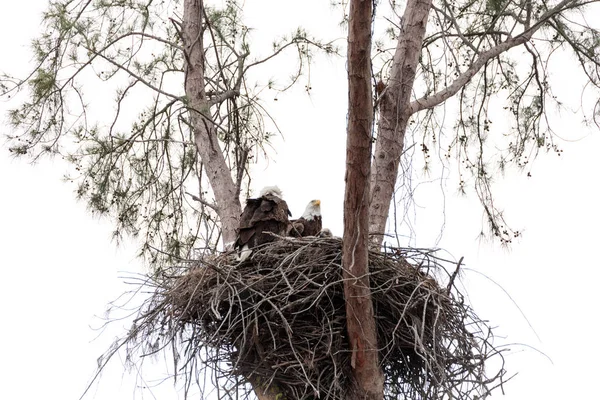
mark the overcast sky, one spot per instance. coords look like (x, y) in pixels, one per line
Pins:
(60, 268)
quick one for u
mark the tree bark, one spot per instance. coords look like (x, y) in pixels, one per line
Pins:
(205, 134)
(396, 107)
(362, 331)
(394, 113)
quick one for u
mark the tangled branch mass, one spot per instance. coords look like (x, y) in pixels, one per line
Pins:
(278, 318)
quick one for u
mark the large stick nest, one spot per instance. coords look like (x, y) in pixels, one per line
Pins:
(279, 319)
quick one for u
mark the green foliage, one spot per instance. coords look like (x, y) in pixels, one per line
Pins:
(502, 111)
(495, 6)
(42, 83)
(133, 153)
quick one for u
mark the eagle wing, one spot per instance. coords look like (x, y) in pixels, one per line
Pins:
(296, 227)
(302, 227)
(246, 219)
(312, 227)
(267, 214)
(279, 210)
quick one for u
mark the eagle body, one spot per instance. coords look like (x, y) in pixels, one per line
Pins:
(262, 216)
(310, 223)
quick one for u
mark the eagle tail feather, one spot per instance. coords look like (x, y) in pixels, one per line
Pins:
(244, 253)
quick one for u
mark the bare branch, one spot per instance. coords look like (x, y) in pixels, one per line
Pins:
(154, 37)
(204, 202)
(134, 75)
(221, 97)
(459, 33)
(484, 57)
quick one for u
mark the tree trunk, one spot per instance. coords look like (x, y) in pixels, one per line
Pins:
(207, 143)
(394, 113)
(362, 332)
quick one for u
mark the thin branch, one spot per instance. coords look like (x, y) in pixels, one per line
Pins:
(149, 36)
(459, 33)
(443, 95)
(134, 75)
(202, 201)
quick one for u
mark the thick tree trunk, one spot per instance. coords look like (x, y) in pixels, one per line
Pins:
(394, 113)
(362, 332)
(207, 143)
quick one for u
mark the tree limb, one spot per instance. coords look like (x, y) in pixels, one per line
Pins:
(443, 95)
(202, 201)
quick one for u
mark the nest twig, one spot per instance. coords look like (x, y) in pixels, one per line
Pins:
(279, 319)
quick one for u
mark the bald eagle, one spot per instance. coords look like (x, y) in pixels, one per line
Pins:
(309, 224)
(266, 214)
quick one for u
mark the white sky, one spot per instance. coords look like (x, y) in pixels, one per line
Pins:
(60, 268)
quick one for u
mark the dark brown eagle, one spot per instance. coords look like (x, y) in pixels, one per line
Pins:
(266, 214)
(310, 223)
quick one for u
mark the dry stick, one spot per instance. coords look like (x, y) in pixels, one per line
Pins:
(428, 333)
(454, 275)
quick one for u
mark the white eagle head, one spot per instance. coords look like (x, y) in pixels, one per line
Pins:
(313, 209)
(271, 190)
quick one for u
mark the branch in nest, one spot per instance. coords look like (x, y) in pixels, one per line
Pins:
(279, 318)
